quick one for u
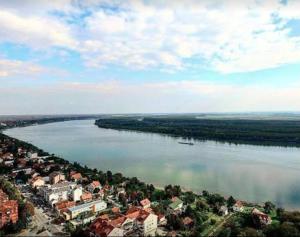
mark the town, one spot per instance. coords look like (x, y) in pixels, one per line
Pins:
(44, 195)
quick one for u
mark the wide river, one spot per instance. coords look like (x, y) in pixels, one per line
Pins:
(252, 173)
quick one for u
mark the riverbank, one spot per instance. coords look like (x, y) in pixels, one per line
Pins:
(285, 133)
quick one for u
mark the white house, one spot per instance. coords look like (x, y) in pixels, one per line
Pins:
(76, 193)
(238, 206)
(93, 185)
(94, 207)
(147, 223)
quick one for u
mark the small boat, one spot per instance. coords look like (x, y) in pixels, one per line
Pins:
(186, 143)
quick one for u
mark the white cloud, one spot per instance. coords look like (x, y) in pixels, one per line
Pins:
(38, 32)
(226, 36)
(16, 68)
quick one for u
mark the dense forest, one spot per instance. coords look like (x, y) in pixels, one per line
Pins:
(238, 131)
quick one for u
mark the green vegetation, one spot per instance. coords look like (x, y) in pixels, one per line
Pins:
(238, 131)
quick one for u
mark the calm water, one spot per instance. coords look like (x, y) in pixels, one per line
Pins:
(253, 173)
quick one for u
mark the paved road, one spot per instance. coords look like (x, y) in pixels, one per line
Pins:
(40, 220)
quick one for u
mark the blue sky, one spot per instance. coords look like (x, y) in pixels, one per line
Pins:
(94, 56)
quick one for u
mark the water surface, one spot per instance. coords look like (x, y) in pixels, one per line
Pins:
(252, 173)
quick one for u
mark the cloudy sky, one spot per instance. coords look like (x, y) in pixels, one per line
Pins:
(93, 56)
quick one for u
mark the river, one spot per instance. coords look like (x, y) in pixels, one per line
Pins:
(248, 172)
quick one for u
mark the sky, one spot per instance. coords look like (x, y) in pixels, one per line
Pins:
(106, 56)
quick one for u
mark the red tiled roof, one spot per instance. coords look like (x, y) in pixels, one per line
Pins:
(95, 184)
(145, 202)
(187, 221)
(133, 212)
(64, 204)
(101, 227)
(86, 196)
(76, 176)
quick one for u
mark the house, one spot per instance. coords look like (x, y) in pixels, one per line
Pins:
(8, 209)
(93, 207)
(161, 219)
(238, 207)
(56, 177)
(176, 204)
(223, 211)
(260, 218)
(63, 206)
(57, 192)
(124, 223)
(102, 228)
(92, 186)
(77, 193)
(86, 196)
(188, 222)
(8, 212)
(37, 181)
(75, 176)
(147, 223)
(145, 203)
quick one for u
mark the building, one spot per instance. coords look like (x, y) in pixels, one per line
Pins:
(176, 204)
(8, 209)
(86, 197)
(188, 222)
(57, 192)
(238, 207)
(223, 210)
(56, 177)
(147, 223)
(77, 193)
(260, 218)
(124, 223)
(93, 207)
(37, 181)
(102, 228)
(93, 185)
(145, 203)
(75, 176)
(63, 206)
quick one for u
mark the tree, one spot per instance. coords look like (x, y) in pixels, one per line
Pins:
(230, 201)
(279, 212)
(201, 205)
(109, 176)
(189, 197)
(269, 206)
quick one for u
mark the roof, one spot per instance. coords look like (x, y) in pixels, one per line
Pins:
(238, 204)
(255, 211)
(64, 204)
(145, 202)
(85, 205)
(86, 195)
(175, 202)
(187, 221)
(101, 227)
(95, 184)
(117, 222)
(76, 176)
(143, 215)
(115, 209)
(133, 212)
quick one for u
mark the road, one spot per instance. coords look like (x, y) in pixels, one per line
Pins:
(40, 221)
(219, 225)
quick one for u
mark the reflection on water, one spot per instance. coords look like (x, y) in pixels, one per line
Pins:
(253, 173)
